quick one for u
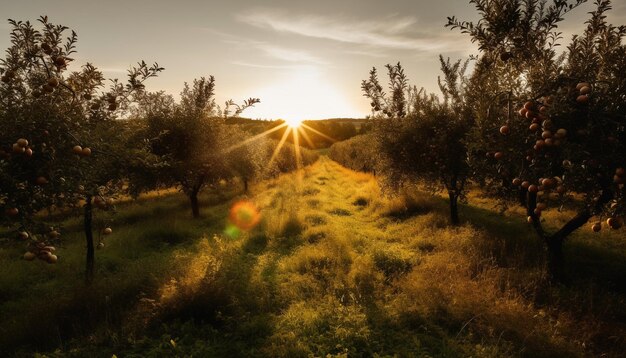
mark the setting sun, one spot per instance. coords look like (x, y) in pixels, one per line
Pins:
(293, 122)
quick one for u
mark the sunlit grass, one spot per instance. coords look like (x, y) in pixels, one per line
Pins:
(335, 267)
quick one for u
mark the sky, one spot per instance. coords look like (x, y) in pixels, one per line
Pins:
(303, 59)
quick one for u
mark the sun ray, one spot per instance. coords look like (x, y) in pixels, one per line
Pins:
(306, 137)
(280, 145)
(296, 146)
(318, 132)
(299, 172)
(253, 138)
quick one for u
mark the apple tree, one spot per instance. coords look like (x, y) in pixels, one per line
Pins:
(421, 137)
(550, 128)
(59, 134)
(190, 137)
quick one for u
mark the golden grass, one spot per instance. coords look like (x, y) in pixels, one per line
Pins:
(337, 268)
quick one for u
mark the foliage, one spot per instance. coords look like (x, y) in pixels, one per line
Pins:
(566, 144)
(356, 153)
(59, 134)
(422, 138)
(192, 141)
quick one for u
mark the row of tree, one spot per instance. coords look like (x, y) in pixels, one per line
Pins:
(69, 141)
(531, 125)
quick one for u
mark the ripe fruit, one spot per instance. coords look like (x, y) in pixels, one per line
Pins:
(18, 149)
(54, 234)
(505, 130)
(517, 181)
(596, 227)
(52, 259)
(525, 184)
(41, 181)
(548, 183)
(580, 85)
(60, 61)
(22, 142)
(12, 211)
(23, 235)
(86, 152)
(77, 150)
(29, 256)
(107, 231)
(560, 189)
(529, 219)
(528, 105)
(561, 133)
(585, 90)
(47, 88)
(546, 134)
(101, 245)
(534, 127)
(53, 82)
(522, 112)
(498, 155)
(614, 223)
(533, 188)
(540, 143)
(28, 152)
(620, 172)
(583, 98)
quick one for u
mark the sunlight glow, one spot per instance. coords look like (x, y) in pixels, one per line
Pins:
(301, 93)
(293, 123)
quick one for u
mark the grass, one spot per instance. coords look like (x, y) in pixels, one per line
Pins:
(335, 268)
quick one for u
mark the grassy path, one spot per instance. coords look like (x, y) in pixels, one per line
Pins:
(334, 268)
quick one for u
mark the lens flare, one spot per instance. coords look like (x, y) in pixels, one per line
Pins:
(244, 215)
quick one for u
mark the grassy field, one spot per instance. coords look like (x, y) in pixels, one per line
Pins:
(335, 268)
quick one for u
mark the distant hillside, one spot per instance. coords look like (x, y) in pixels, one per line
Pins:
(332, 129)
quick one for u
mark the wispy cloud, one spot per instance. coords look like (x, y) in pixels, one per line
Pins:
(271, 67)
(289, 55)
(270, 50)
(392, 32)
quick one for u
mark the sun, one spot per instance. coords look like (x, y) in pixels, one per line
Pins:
(293, 122)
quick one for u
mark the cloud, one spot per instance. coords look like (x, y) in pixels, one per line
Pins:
(274, 67)
(391, 32)
(270, 50)
(289, 55)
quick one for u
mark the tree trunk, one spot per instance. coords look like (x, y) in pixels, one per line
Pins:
(89, 270)
(454, 207)
(195, 209)
(522, 196)
(554, 242)
(555, 258)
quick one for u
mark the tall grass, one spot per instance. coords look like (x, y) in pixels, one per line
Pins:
(336, 268)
